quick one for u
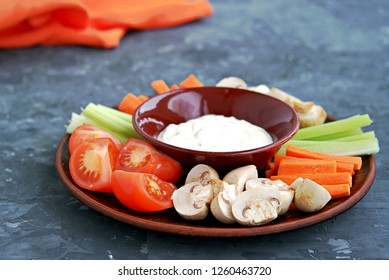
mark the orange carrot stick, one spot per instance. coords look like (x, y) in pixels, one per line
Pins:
(292, 166)
(340, 166)
(174, 87)
(320, 178)
(338, 190)
(160, 86)
(345, 167)
(129, 103)
(143, 97)
(277, 159)
(191, 81)
(305, 153)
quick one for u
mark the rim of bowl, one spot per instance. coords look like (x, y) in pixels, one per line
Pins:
(275, 145)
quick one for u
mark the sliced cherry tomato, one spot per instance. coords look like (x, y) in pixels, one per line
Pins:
(87, 132)
(139, 156)
(91, 164)
(142, 192)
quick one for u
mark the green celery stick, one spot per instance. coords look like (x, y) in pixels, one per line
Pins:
(337, 126)
(350, 148)
(364, 135)
(337, 135)
(77, 120)
(108, 120)
(120, 114)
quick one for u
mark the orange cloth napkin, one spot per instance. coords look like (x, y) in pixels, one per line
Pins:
(98, 23)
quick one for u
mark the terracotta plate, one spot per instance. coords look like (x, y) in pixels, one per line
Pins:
(169, 221)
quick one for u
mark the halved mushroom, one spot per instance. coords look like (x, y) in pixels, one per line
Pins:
(232, 82)
(261, 89)
(201, 173)
(205, 175)
(221, 205)
(239, 176)
(310, 196)
(257, 206)
(287, 192)
(309, 113)
(296, 183)
(192, 200)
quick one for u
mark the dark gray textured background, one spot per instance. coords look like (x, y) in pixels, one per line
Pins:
(335, 53)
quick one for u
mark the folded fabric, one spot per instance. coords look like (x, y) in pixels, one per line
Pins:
(98, 23)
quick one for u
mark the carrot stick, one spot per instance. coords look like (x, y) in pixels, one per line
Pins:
(292, 166)
(345, 167)
(174, 87)
(129, 103)
(305, 153)
(143, 98)
(160, 86)
(320, 178)
(277, 159)
(191, 81)
(338, 190)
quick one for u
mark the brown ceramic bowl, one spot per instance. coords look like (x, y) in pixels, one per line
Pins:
(276, 117)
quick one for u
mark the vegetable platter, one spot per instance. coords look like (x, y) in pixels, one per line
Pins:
(158, 214)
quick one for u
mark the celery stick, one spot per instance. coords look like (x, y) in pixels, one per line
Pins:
(364, 135)
(351, 148)
(120, 114)
(108, 120)
(337, 126)
(77, 120)
(340, 134)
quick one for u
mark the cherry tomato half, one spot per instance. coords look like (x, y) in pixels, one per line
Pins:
(139, 156)
(91, 164)
(142, 192)
(87, 132)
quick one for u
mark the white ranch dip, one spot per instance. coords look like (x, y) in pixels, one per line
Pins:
(215, 133)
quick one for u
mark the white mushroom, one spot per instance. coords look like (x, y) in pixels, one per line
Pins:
(239, 176)
(309, 113)
(192, 200)
(296, 183)
(256, 206)
(287, 192)
(260, 88)
(205, 175)
(201, 173)
(221, 205)
(232, 82)
(317, 115)
(310, 196)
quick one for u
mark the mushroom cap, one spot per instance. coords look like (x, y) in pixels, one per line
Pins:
(257, 206)
(239, 176)
(316, 115)
(201, 173)
(232, 82)
(310, 196)
(192, 200)
(264, 89)
(286, 192)
(221, 205)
